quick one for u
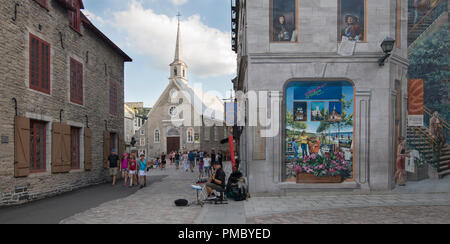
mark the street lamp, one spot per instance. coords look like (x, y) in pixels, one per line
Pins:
(387, 45)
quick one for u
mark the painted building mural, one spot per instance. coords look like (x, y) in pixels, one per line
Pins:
(319, 129)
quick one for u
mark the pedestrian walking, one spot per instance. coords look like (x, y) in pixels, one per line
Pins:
(177, 160)
(207, 164)
(113, 164)
(213, 157)
(132, 169)
(163, 161)
(200, 168)
(191, 161)
(124, 168)
(185, 159)
(143, 171)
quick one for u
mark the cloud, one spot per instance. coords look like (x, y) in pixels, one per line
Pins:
(206, 50)
(179, 2)
(97, 20)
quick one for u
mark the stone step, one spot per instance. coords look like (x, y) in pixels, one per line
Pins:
(443, 173)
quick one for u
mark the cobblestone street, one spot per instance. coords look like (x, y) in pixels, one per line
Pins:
(370, 215)
(151, 205)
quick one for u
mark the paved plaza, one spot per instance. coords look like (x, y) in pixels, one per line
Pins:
(154, 204)
(419, 202)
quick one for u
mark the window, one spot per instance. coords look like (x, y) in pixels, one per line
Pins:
(75, 147)
(43, 3)
(142, 142)
(156, 135)
(207, 133)
(190, 136)
(75, 16)
(142, 132)
(113, 98)
(216, 134)
(39, 64)
(76, 82)
(37, 146)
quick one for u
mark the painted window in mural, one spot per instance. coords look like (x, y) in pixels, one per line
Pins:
(284, 21)
(319, 129)
(352, 20)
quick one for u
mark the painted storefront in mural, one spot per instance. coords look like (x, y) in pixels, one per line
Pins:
(319, 129)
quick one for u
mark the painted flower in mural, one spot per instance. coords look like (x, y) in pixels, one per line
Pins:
(330, 165)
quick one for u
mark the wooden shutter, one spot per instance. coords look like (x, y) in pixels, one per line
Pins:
(22, 147)
(106, 148)
(65, 148)
(57, 165)
(120, 146)
(87, 149)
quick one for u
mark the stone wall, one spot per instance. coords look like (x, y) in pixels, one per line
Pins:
(315, 57)
(101, 65)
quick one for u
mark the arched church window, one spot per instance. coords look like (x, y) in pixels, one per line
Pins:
(175, 71)
(157, 136)
(190, 135)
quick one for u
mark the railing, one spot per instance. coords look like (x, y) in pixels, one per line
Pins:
(437, 8)
(420, 135)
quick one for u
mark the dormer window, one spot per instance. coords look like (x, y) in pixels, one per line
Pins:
(75, 15)
(175, 71)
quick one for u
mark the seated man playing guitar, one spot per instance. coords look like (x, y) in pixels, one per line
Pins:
(217, 180)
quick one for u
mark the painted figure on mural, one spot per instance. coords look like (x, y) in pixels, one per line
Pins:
(283, 23)
(352, 29)
(400, 172)
(352, 20)
(436, 129)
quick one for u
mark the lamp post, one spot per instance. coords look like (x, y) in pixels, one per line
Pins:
(387, 46)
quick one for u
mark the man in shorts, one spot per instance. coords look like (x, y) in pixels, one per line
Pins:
(113, 163)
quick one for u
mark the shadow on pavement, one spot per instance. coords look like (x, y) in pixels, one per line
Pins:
(55, 209)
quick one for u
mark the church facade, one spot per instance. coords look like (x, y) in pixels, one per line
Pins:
(184, 117)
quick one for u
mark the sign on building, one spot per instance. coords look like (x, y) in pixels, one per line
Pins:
(231, 113)
(415, 102)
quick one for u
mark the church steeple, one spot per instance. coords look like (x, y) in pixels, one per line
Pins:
(178, 67)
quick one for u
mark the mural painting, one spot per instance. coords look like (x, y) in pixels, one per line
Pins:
(283, 19)
(352, 20)
(321, 144)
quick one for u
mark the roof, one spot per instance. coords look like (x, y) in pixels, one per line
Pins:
(89, 25)
(209, 103)
(102, 36)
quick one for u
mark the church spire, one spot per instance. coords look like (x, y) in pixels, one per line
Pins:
(178, 56)
(178, 67)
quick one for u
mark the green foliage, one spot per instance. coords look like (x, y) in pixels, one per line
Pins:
(429, 60)
(293, 127)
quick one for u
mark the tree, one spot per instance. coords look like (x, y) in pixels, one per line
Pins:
(429, 60)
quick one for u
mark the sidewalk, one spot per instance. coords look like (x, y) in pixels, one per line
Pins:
(151, 205)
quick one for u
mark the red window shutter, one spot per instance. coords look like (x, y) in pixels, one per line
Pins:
(76, 82)
(80, 83)
(73, 80)
(39, 65)
(34, 62)
(66, 162)
(45, 68)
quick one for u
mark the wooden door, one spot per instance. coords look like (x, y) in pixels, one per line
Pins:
(173, 144)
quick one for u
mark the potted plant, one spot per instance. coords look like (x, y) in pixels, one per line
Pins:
(330, 168)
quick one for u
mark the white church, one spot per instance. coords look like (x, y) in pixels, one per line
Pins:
(184, 117)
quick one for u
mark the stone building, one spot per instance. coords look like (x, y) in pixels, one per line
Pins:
(326, 54)
(135, 116)
(184, 117)
(66, 80)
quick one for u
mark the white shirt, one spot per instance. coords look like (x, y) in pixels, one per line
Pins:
(207, 162)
